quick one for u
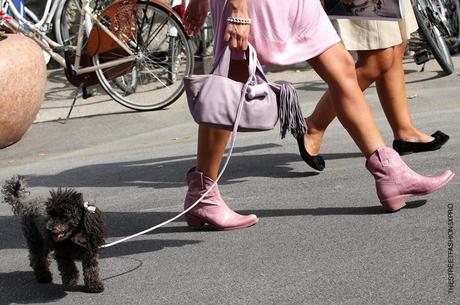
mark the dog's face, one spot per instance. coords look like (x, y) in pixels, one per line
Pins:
(65, 210)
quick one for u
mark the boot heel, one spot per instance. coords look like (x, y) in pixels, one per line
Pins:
(394, 204)
(194, 221)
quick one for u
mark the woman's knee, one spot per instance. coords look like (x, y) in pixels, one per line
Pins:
(349, 65)
(400, 49)
(335, 66)
(347, 72)
(374, 63)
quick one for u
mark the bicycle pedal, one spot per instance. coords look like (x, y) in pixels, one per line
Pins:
(87, 93)
(422, 57)
(84, 93)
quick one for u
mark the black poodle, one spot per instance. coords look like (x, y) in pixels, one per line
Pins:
(64, 223)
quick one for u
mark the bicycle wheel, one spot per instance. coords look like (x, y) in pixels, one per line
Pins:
(163, 58)
(67, 20)
(66, 30)
(151, 81)
(426, 19)
(453, 22)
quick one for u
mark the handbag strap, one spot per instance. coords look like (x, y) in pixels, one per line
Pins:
(222, 59)
(224, 167)
(227, 160)
(253, 66)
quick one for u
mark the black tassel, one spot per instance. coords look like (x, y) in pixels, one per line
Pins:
(289, 112)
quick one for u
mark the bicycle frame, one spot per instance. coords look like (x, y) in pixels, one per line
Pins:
(43, 24)
(30, 30)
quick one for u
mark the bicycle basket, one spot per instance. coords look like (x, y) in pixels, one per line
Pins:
(120, 19)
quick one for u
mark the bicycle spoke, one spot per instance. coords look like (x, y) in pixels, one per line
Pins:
(141, 26)
(156, 77)
(156, 32)
(160, 65)
(151, 25)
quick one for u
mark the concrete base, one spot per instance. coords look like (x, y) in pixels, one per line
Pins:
(22, 86)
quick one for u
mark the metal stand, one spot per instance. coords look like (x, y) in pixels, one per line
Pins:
(84, 94)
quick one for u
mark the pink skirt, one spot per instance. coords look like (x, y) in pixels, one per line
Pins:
(283, 32)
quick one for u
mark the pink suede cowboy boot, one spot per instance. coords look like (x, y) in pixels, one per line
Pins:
(395, 181)
(212, 209)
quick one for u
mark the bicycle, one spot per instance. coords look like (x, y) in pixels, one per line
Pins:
(202, 43)
(438, 21)
(137, 50)
(45, 23)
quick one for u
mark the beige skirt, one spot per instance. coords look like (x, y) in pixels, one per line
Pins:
(372, 35)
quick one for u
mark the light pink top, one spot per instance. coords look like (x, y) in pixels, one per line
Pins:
(283, 32)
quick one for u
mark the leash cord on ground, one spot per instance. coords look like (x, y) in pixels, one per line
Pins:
(233, 140)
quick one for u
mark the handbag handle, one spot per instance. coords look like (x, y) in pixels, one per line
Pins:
(284, 90)
(222, 63)
(222, 60)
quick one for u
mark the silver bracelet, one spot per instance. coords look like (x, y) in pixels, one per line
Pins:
(239, 20)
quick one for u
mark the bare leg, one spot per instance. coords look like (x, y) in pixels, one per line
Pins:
(369, 67)
(211, 147)
(392, 94)
(336, 67)
(385, 67)
(212, 141)
(212, 209)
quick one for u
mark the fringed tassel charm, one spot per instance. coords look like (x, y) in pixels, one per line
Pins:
(289, 112)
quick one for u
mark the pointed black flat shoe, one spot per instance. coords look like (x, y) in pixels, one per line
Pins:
(405, 147)
(316, 162)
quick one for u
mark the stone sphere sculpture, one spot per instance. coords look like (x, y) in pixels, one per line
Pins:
(22, 86)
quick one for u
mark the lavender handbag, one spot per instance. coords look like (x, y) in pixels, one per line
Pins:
(217, 101)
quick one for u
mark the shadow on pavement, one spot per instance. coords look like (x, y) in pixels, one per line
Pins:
(169, 172)
(62, 90)
(118, 225)
(20, 287)
(121, 224)
(144, 246)
(371, 210)
(439, 74)
(11, 234)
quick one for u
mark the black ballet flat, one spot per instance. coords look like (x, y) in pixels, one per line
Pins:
(405, 147)
(316, 162)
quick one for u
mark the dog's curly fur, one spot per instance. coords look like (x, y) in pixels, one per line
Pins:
(61, 223)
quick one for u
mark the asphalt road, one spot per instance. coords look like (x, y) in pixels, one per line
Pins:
(322, 238)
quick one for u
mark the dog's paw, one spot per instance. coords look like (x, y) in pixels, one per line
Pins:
(44, 277)
(95, 287)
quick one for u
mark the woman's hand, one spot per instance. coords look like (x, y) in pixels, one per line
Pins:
(195, 16)
(237, 34)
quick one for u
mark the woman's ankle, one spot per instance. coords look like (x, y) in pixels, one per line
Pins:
(313, 128)
(313, 137)
(412, 135)
(207, 171)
